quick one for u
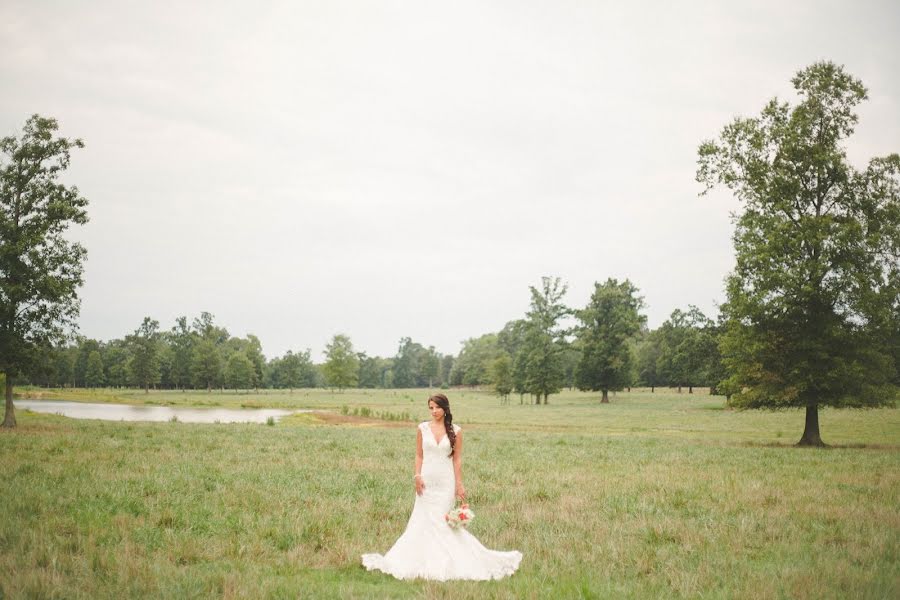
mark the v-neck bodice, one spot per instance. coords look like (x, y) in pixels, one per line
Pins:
(430, 444)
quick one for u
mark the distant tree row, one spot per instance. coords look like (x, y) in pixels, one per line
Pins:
(203, 355)
(607, 348)
(610, 349)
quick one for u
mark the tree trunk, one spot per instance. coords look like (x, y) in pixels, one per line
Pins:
(9, 418)
(605, 398)
(811, 435)
(690, 389)
(652, 389)
(679, 389)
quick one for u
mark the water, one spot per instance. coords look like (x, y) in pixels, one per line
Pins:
(127, 412)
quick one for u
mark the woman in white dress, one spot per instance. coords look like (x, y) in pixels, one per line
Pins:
(430, 548)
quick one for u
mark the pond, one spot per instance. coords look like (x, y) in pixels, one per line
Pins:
(127, 412)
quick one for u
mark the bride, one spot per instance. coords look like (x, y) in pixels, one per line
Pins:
(430, 548)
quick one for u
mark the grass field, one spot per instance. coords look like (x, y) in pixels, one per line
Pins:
(654, 495)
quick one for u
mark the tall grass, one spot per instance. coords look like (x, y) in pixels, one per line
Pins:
(654, 495)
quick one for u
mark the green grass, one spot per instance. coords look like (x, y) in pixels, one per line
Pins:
(653, 495)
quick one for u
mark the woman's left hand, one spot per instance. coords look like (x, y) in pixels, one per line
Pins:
(460, 491)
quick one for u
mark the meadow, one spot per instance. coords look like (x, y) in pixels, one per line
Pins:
(653, 495)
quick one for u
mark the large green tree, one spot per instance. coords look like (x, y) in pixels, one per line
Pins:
(431, 367)
(372, 370)
(85, 347)
(294, 370)
(94, 376)
(541, 353)
(239, 372)
(472, 366)
(608, 322)
(116, 356)
(409, 364)
(257, 358)
(206, 364)
(341, 368)
(144, 344)
(65, 366)
(208, 355)
(181, 339)
(687, 349)
(40, 270)
(512, 339)
(814, 299)
(501, 376)
(649, 349)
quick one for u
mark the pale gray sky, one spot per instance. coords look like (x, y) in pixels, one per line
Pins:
(390, 169)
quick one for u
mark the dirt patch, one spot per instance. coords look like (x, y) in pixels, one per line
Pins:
(32, 395)
(330, 418)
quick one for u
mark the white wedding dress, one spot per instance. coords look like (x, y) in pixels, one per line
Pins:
(430, 548)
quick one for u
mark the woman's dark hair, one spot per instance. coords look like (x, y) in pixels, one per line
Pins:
(441, 400)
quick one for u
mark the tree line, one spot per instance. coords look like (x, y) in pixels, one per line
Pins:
(608, 350)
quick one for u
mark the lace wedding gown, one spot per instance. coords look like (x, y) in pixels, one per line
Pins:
(431, 549)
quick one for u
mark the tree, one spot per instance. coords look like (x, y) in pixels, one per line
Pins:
(239, 371)
(472, 366)
(372, 370)
(181, 340)
(570, 358)
(116, 357)
(648, 353)
(431, 366)
(295, 371)
(544, 343)
(144, 345)
(43, 368)
(815, 290)
(255, 354)
(447, 361)
(341, 367)
(40, 270)
(94, 376)
(205, 327)
(85, 347)
(409, 364)
(65, 366)
(501, 376)
(207, 356)
(687, 349)
(166, 358)
(511, 339)
(608, 322)
(206, 364)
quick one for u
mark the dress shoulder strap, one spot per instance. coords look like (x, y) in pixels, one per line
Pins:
(456, 428)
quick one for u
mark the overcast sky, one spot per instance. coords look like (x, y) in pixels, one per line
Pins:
(391, 169)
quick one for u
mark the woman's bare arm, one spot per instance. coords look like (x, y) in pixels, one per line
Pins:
(420, 484)
(457, 466)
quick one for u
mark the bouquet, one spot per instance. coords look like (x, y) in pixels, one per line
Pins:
(459, 516)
